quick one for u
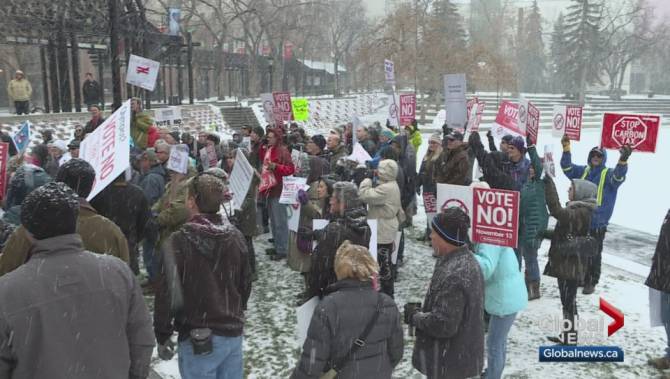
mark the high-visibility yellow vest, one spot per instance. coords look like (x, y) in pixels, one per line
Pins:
(601, 183)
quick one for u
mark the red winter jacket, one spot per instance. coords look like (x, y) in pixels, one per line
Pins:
(152, 136)
(280, 156)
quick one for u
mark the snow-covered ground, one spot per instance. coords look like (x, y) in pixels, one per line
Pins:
(271, 350)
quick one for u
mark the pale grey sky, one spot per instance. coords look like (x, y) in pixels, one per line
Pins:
(375, 7)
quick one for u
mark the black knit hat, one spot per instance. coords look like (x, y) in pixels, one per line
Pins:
(50, 211)
(319, 141)
(452, 226)
(78, 175)
(259, 131)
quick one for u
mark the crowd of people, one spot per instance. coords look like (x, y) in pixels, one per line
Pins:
(200, 261)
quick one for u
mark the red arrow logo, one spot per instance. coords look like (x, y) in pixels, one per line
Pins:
(143, 70)
(614, 313)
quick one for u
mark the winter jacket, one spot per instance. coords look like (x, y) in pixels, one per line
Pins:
(533, 214)
(212, 270)
(280, 156)
(369, 145)
(132, 217)
(19, 90)
(453, 167)
(426, 177)
(450, 327)
(659, 276)
(71, 314)
(339, 320)
(496, 166)
(374, 163)
(351, 226)
(91, 92)
(153, 183)
(519, 172)
(608, 181)
(171, 208)
(383, 201)
(93, 124)
(505, 288)
(139, 127)
(27, 178)
(98, 234)
(335, 155)
(572, 221)
(298, 260)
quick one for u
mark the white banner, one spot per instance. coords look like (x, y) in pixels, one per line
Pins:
(293, 216)
(142, 72)
(304, 315)
(268, 102)
(455, 103)
(170, 116)
(107, 149)
(178, 161)
(359, 154)
(240, 179)
(290, 187)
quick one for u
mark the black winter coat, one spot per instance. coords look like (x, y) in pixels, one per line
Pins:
(91, 91)
(449, 328)
(353, 227)
(659, 277)
(495, 165)
(339, 320)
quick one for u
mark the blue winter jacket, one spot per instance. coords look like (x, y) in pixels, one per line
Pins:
(608, 181)
(505, 291)
(519, 172)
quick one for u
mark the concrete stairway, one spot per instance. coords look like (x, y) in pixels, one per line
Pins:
(237, 117)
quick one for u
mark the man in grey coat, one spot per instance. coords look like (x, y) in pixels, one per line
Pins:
(449, 327)
(67, 312)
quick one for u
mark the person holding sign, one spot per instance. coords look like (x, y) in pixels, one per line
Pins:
(571, 246)
(608, 182)
(352, 311)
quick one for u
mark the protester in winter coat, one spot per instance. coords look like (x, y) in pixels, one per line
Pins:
(516, 151)
(495, 165)
(83, 316)
(383, 200)
(504, 296)
(453, 166)
(504, 142)
(449, 328)
(256, 157)
(131, 218)
(406, 161)
(426, 179)
(91, 91)
(533, 219)
(386, 136)
(336, 150)
(608, 182)
(277, 164)
(98, 234)
(20, 91)
(312, 204)
(207, 279)
(343, 316)
(140, 123)
(28, 177)
(96, 119)
(348, 221)
(659, 279)
(569, 248)
(414, 135)
(171, 211)
(366, 142)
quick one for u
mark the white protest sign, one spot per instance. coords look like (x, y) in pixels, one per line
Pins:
(359, 154)
(293, 216)
(548, 163)
(451, 195)
(389, 72)
(393, 111)
(178, 161)
(107, 149)
(396, 247)
(455, 103)
(268, 102)
(166, 117)
(240, 179)
(558, 121)
(319, 224)
(142, 72)
(290, 187)
(522, 114)
(304, 315)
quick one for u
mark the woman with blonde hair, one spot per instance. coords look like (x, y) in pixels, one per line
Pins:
(355, 331)
(426, 179)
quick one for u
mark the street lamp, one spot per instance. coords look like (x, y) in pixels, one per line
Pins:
(270, 63)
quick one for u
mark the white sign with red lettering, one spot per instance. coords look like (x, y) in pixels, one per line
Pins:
(407, 108)
(507, 118)
(107, 149)
(389, 72)
(640, 131)
(496, 217)
(393, 115)
(290, 187)
(548, 162)
(142, 72)
(268, 107)
(567, 120)
(283, 111)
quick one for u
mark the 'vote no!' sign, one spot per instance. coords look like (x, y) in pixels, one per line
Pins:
(496, 217)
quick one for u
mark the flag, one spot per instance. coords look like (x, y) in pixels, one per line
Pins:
(22, 137)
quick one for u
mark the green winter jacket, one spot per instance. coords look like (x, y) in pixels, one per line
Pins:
(415, 140)
(533, 214)
(139, 129)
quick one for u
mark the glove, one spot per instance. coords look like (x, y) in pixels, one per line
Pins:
(475, 139)
(360, 173)
(529, 143)
(409, 310)
(565, 141)
(489, 134)
(625, 152)
(303, 197)
(166, 350)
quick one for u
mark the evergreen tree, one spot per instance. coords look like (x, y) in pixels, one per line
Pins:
(558, 68)
(582, 34)
(533, 58)
(448, 22)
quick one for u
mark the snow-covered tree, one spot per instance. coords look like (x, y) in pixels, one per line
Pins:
(558, 68)
(532, 57)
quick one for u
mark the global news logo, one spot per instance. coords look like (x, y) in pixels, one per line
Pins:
(590, 332)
